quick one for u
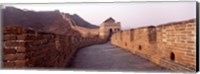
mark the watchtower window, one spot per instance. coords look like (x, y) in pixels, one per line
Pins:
(172, 56)
(140, 47)
(125, 44)
(110, 30)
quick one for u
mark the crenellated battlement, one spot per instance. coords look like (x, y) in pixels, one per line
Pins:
(171, 45)
(25, 48)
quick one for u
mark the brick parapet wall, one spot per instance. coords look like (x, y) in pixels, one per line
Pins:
(171, 45)
(24, 48)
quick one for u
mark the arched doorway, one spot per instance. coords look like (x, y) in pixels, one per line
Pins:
(110, 33)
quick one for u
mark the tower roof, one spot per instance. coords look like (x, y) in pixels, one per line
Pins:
(110, 20)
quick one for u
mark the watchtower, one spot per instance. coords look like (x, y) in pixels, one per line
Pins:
(108, 27)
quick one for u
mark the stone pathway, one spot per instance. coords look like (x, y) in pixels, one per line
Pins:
(111, 58)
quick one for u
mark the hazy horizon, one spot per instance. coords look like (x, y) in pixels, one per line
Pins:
(131, 15)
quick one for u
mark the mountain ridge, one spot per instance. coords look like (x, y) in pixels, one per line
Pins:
(48, 21)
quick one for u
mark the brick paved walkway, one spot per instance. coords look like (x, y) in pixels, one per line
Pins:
(110, 58)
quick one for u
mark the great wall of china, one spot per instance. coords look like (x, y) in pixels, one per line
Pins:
(171, 45)
(24, 48)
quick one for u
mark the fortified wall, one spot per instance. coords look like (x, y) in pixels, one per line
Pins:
(171, 45)
(31, 49)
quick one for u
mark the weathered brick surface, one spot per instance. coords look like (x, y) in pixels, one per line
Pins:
(171, 45)
(24, 48)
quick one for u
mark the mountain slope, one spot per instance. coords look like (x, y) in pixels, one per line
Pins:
(80, 21)
(48, 21)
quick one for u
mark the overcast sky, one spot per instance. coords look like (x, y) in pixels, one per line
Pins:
(131, 15)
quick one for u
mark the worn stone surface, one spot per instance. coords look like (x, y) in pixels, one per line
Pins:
(111, 58)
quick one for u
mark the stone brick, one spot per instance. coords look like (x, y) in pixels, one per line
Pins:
(20, 56)
(8, 64)
(9, 51)
(9, 57)
(21, 37)
(20, 49)
(13, 30)
(13, 44)
(20, 63)
(191, 42)
(9, 37)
